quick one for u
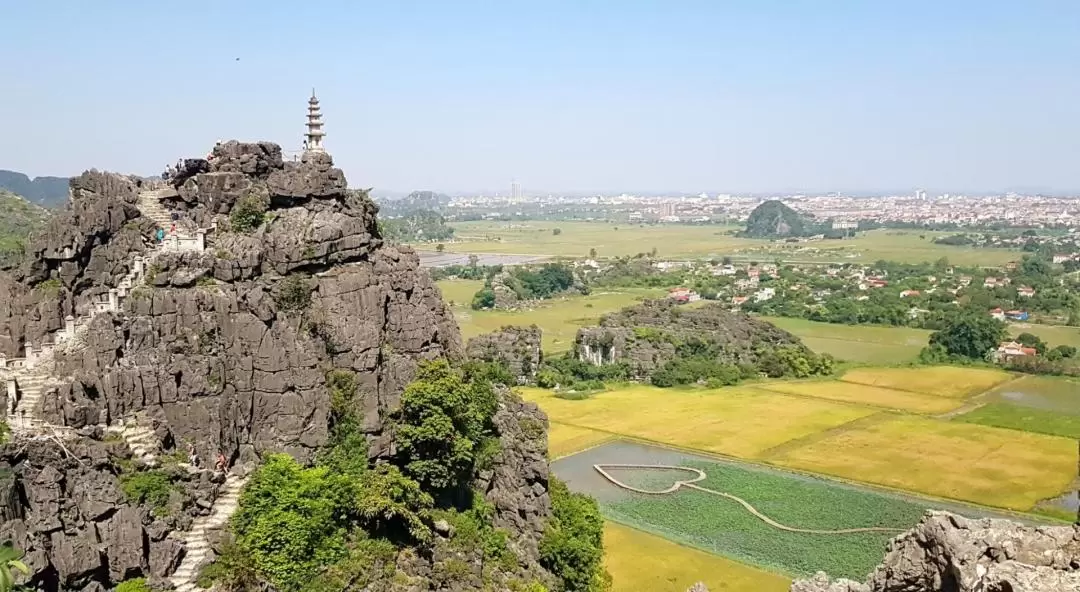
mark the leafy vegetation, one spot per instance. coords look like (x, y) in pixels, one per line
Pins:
(248, 213)
(707, 522)
(10, 562)
(443, 418)
(152, 487)
(18, 219)
(293, 293)
(529, 284)
(416, 226)
(572, 547)
(968, 336)
(134, 585)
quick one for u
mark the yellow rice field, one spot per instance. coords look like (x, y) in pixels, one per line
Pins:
(941, 381)
(991, 466)
(564, 440)
(641, 562)
(866, 395)
(736, 421)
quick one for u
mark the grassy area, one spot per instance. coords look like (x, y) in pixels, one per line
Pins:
(566, 439)
(940, 381)
(683, 241)
(867, 344)
(985, 465)
(609, 240)
(641, 562)
(866, 395)
(1016, 417)
(559, 318)
(726, 527)
(738, 421)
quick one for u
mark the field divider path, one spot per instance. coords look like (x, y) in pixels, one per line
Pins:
(700, 475)
(978, 401)
(861, 422)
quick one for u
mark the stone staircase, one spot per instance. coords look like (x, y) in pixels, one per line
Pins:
(150, 206)
(23, 414)
(141, 439)
(196, 544)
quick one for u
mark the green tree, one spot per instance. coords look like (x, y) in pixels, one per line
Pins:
(10, 562)
(969, 335)
(134, 585)
(592, 253)
(556, 231)
(442, 419)
(393, 505)
(484, 298)
(1030, 340)
(292, 520)
(572, 547)
(440, 248)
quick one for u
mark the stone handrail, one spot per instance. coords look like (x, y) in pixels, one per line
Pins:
(699, 475)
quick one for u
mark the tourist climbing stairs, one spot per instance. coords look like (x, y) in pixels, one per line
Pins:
(141, 439)
(197, 544)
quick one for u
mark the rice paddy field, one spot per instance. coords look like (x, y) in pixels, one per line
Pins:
(853, 430)
(734, 421)
(974, 463)
(639, 561)
(1040, 404)
(940, 381)
(887, 398)
(684, 241)
(720, 525)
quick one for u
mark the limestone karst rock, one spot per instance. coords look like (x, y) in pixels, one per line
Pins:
(224, 348)
(641, 335)
(949, 553)
(518, 348)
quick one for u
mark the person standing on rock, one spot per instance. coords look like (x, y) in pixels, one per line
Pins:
(221, 462)
(160, 234)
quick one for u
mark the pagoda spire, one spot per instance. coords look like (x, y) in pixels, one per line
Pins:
(315, 133)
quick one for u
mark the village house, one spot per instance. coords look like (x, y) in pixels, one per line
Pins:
(738, 300)
(683, 295)
(998, 314)
(1025, 291)
(764, 294)
(965, 281)
(909, 293)
(1016, 315)
(746, 283)
(996, 282)
(721, 270)
(1011, 349)
(1062, 258)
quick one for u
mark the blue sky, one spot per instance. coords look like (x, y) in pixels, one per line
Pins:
(755, 95)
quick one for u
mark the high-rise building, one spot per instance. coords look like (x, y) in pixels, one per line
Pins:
(515, 190)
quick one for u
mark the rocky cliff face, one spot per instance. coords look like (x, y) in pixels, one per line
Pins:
(517, 348)
(948, 553)
(646, 336)
(224, 349)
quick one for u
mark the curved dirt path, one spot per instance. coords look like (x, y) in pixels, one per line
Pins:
(699, 475)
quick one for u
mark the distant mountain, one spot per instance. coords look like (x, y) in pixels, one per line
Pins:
(773, 219)
(50, 192)
(417, 200)
(18, 218)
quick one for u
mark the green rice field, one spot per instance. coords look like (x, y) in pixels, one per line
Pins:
(1028, 419)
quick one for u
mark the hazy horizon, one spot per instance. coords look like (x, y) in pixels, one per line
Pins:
(733, 97)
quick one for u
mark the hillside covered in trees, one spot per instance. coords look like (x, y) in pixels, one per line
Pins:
(774, 219)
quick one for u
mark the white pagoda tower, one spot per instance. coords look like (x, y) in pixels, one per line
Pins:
(315, 133)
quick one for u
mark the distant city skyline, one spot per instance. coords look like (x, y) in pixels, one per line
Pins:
(751, 96)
